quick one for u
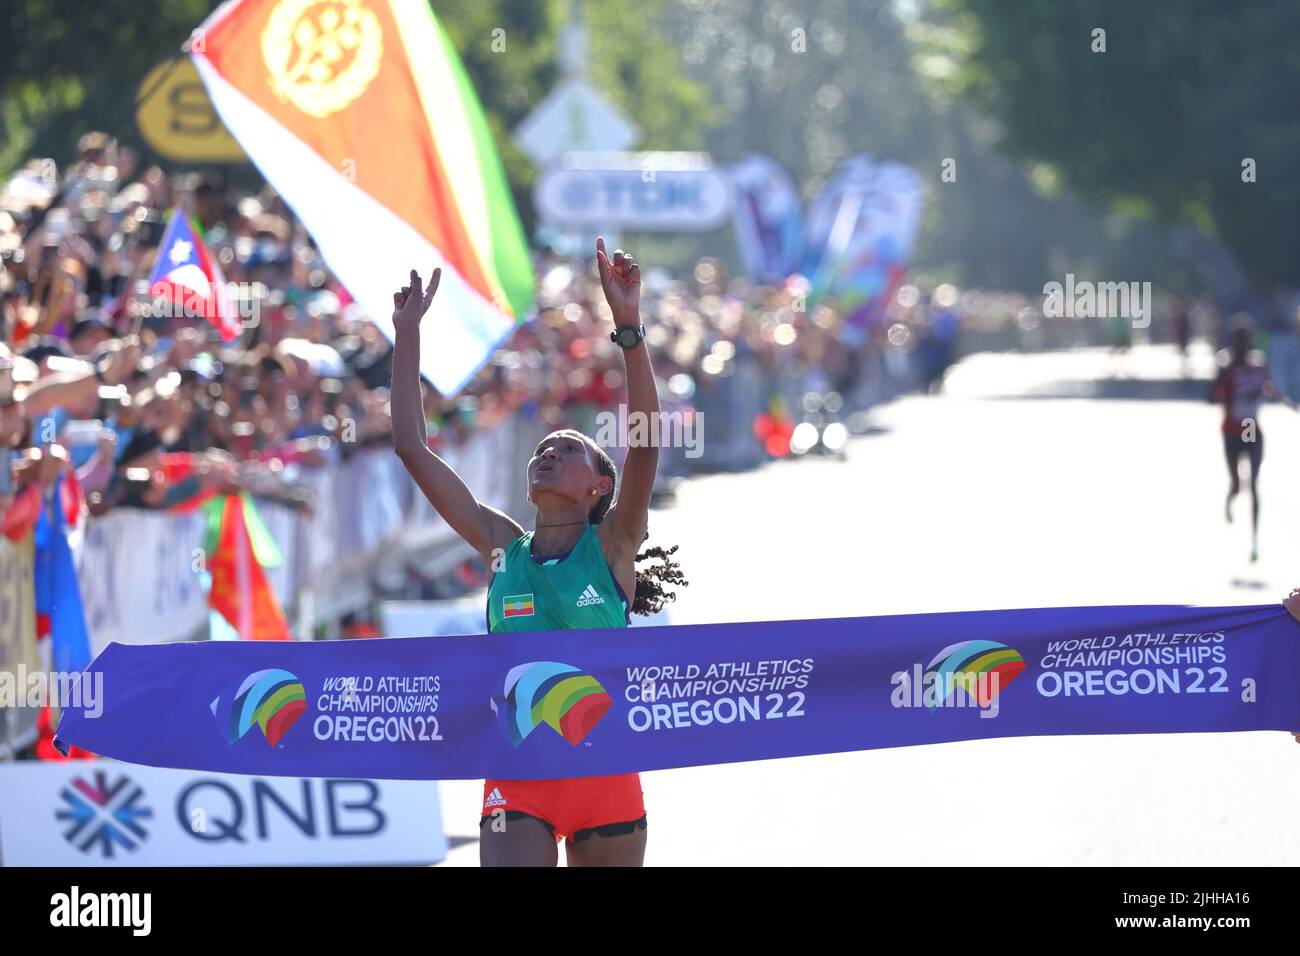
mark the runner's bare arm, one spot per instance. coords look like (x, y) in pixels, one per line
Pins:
(620, 277)
(1292, 603)
(1273, 392)
(484, 528)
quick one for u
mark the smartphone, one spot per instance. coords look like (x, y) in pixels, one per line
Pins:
(56, 226)
(83, 433)
(149, 234)
(41, 292)
(94, 286)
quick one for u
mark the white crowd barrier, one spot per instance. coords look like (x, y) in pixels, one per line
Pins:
(139, 570)
(18, 652)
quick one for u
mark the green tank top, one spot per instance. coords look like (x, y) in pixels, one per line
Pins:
(570, 592)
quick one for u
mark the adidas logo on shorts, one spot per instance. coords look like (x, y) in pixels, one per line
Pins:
(494, 799)
(589, 596)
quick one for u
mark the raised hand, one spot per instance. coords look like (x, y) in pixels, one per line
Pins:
(620, 277)
(410, 304)
(1292, 603)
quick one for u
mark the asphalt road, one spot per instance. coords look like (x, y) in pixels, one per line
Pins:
(1067, 478)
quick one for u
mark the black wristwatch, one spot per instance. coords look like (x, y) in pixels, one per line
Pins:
(627, 336)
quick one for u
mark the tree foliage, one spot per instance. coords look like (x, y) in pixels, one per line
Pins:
(70, 66)
(1161, 122)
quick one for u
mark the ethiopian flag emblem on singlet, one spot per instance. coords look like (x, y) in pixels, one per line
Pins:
(517, 605)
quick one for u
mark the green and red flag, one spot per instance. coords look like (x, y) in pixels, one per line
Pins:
(239, 549)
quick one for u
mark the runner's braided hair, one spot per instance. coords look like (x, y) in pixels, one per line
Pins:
(650, 595)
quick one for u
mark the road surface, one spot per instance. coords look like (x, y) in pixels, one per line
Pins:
(1064, 478)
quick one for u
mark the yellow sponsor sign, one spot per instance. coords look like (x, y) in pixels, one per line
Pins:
(177, 119)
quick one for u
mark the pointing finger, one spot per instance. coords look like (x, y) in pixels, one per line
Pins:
(434, 279)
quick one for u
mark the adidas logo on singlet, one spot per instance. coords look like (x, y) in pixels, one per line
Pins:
(494, 799)
(589, 597)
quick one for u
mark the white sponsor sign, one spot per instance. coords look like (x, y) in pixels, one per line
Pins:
(139, 570)
(652, 192)
(136, 572)
(17, 640)
(573, 116)
(105, 813)
(467, 615)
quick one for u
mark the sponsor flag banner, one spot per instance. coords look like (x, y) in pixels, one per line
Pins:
(589, 703)
(363, 118)
(862, 227)
(766, 218)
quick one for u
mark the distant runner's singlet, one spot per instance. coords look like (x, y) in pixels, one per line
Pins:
(1244, 386)
(573, 592)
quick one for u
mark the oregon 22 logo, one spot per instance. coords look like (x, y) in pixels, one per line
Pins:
(272, 699)
(559, 695)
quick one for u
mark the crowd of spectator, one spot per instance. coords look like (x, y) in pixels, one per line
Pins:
(148, 407)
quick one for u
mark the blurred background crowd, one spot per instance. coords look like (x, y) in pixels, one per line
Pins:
(148, 408)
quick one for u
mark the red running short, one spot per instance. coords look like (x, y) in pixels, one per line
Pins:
(569, 807)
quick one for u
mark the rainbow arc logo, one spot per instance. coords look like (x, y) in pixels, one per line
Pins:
(983, 669)
(273, 699)
(561, 696)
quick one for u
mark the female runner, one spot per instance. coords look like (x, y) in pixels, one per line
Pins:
(1243, 383)
(577, 564)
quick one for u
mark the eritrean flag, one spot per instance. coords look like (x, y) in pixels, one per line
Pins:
(361, 115)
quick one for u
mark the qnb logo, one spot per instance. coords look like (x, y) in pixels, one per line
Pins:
(966, 674)
(564, 698)
(273, 699)
(103, 816)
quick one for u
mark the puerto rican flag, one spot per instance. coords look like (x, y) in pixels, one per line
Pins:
(187, 275)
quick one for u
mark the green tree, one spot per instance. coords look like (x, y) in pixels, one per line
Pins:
(812, 83)
(1158, 125)
(71, 66)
